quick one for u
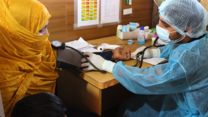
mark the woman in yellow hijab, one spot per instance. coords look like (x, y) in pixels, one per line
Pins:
(27, 62)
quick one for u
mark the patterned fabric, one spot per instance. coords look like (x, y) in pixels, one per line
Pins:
(27, 61)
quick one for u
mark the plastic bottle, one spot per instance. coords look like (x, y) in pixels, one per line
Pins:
(141, 37)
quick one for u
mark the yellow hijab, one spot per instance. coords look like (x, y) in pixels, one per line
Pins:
(27, 61)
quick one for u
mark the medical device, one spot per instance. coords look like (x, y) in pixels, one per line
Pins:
(144, 49)
(60, 45)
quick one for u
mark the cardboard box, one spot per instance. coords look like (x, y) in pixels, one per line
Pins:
(149, 34)
(128, 35)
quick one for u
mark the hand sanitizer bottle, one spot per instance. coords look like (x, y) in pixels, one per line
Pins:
(141, 37)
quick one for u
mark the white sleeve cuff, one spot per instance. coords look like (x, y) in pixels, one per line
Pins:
(156, 53)
(108, 66)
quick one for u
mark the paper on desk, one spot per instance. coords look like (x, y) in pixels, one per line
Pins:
(154, 61)
(82, 40)
(89, 49)
(77, 44)
(82, 45)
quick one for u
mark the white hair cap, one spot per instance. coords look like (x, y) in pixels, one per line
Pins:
(185, 16)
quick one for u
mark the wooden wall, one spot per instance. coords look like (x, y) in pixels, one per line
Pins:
(155, 16)
(62, 11)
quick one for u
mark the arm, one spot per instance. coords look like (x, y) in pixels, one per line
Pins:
(116, 54)
(160, 79)
(70, 59)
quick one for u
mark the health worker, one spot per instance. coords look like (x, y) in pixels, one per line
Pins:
(179, 87)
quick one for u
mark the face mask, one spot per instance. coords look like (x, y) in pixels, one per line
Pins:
(164, 35)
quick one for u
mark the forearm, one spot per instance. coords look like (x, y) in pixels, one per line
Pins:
(160, 79)
(71, 59)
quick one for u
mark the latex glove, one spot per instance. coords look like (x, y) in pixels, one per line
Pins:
(138, 50)
(118, 54)
(149, 53)
(98, 61)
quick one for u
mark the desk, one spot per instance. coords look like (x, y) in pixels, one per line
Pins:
(94, 91)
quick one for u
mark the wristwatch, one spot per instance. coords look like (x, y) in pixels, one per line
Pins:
(58, 45)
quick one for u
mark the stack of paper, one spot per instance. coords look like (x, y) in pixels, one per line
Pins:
(82, 45)
(153, 61)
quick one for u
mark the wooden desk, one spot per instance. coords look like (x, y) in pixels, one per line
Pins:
(94, 91)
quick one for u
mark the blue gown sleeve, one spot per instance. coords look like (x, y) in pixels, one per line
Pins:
(165, 78)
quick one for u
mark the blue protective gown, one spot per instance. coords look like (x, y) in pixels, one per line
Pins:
(183, 81)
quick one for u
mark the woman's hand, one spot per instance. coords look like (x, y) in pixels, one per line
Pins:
(119, 55)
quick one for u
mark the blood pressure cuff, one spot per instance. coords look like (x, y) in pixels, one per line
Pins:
(70, 59)
(106, 55)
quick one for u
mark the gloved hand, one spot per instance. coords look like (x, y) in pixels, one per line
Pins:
(138, 50)
(149, 53)
(98, 61)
